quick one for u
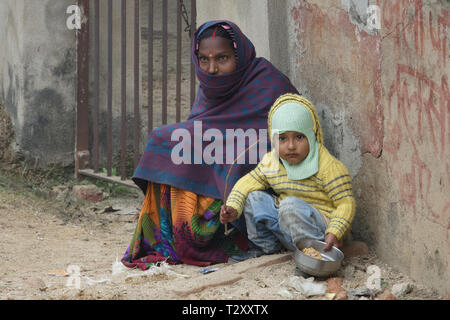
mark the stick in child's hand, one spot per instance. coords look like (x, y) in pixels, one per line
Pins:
(227, 232)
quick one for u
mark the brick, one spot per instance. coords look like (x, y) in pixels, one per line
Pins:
(386, 295)
(335, 286)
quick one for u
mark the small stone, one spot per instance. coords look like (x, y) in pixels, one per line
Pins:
(59, 192)
(349, 271)
(400, 289)
(355, 249)
(88, 192)
(361, 291)
(262, 284)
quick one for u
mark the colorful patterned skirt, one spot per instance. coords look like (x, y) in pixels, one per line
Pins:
(180, 226)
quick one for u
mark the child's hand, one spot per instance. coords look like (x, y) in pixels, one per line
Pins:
(227, 214)
(331, 240)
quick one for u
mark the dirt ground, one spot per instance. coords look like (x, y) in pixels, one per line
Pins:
(62, 248)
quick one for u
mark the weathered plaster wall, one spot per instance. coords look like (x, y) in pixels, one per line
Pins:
(38, 78)
(384, 102)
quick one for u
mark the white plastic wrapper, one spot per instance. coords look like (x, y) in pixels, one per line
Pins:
(284, 292)
(307, 286)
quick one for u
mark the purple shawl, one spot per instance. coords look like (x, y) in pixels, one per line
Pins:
(238, 100)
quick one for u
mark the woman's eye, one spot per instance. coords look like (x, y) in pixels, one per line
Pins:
(282, 138)
(300, 136)
(203, 59)
(223, 58)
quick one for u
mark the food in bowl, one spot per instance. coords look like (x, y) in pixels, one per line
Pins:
(312, 253)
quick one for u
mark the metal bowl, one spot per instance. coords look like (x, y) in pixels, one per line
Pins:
(329, 264)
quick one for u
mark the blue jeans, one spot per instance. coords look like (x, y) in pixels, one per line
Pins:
(271, 228)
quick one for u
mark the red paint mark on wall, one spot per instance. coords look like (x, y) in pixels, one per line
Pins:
(418, 117)
(431, 99)
(405, 20)
(330, 48)
(417, 126)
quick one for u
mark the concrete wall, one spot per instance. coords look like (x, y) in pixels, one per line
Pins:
(38, 78)
(383, 98)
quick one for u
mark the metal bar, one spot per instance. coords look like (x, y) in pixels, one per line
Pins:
(178, 77)
(114, 179)
(109, 98)
(150, 67)
(193, 29)
(123, 133)
(96, 84)
(164, 64)
(137, 46)
(82, 134)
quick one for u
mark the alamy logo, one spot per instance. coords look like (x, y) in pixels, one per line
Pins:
(74, 279)
(221, 147)
(74, 20)
(373, 18)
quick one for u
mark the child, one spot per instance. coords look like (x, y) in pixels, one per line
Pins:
(313, 194)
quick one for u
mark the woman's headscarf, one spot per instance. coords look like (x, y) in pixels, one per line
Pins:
(238, 100)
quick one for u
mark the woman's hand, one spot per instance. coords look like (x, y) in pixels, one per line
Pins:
(331, 240)
(227, 214)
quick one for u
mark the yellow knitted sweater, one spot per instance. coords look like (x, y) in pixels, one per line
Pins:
(329, 190)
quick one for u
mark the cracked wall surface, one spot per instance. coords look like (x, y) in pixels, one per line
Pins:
(38, 78)
(384, 100)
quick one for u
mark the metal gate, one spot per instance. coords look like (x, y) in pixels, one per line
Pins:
(130, 52)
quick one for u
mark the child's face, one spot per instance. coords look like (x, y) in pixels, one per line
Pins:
(293, 147)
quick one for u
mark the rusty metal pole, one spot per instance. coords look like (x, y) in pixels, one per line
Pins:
(150, 67)
(82, 155)
(178, 78)
(164, 63)
(193, 29)
(96, 85)
(109, 94)
(123, 133)
(137, 117)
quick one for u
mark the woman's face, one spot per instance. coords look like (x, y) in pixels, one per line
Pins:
(216, 56)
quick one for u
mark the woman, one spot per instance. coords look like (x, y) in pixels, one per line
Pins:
(179, 219)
